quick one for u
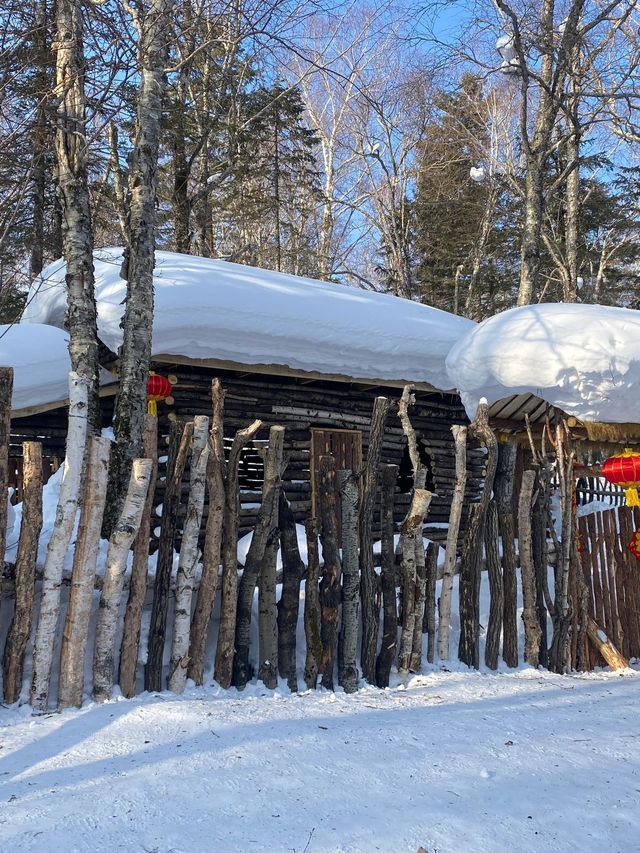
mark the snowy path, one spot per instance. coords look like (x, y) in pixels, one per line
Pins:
(456, 762)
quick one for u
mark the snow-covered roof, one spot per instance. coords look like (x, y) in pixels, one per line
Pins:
(40, 361)
(218, 311)
(583, 359)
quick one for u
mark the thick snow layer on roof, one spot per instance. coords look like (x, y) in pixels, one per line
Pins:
(584, 359)
(212, 309)
(40, 361)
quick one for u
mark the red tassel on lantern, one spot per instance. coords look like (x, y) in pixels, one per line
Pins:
(158, 388)
(624, 470)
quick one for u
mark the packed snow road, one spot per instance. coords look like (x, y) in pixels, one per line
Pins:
(456, 761)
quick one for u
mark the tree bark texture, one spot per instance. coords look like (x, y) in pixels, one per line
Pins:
(368, 579)
(469, 648)
(75, 203)
(267, 608)
(532, 633)
(104, 652)
(387, 654)
(76, 626)
(6, 390)
(558, 653)
(503, 489)
(154, 28)
(189, 554)
(138, 586)
(59, 542)
(293, 571)
(451, 549)
(312, 607)
(262, 533)
(330, 584)
(229, 597)
(20, 628)
(433, 549)
(179, 441)
(347, 669)
(496, 590)
(212, 549)
(410, 531)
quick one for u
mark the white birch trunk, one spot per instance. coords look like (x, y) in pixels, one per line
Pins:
(76, 626)
(189, 556)
(444, 609)
(119, 544)
(59, 542)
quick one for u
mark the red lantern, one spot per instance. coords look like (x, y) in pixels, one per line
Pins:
(624, 470)
(158, 388)
(634, 545)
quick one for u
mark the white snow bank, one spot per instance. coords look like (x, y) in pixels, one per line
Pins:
(40, 361)
(584, 359)
(212, 309)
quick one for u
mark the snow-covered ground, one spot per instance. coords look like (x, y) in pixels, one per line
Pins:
(522, 761)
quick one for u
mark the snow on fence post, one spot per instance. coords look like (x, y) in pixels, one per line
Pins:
(179, 441)
(348, 646)
(6, 389)
(189, 556)
(130, 645)
(293, 571)
(66, 512)
(503, 491)
(496, 590)
(83, 575)
(120, 542)
(312, 607)
(451, 548)
(368, 579)
(532, 631)
(330, 584)
(387, 654)
(411, 530)
(229, 596)
(216, 472)
(272, 458)
(20, 627)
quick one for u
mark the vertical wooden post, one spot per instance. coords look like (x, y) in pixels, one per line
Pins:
(368, 580)
(496, 590)
(6, 389)
(76, 625)
(179, 441)
(20, 627)
(293, 570)
(139, 571)
(267, 608)
(410, 531)
(312, 607)
(189, 556)
(532, 633)
(211, 554)
(451, 549)
(330, 584)
(66, 512)
(265, 523)
(120, 542)
(386, 656)
(229, 596)
(503, 490)
(433, 550)
(347, 670)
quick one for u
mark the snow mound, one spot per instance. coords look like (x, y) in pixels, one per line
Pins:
(212, 309)
(583, 359)
(40, 361)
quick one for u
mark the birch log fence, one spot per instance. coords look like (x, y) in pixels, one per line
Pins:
(391, 606)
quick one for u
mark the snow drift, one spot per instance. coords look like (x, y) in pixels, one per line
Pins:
(584, 359)
(40, 361)
(212, 309)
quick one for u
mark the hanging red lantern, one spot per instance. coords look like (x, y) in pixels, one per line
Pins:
(158, 388)
(634, 545)
(624, 470)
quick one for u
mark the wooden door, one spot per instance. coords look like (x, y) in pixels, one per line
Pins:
(345, 445)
